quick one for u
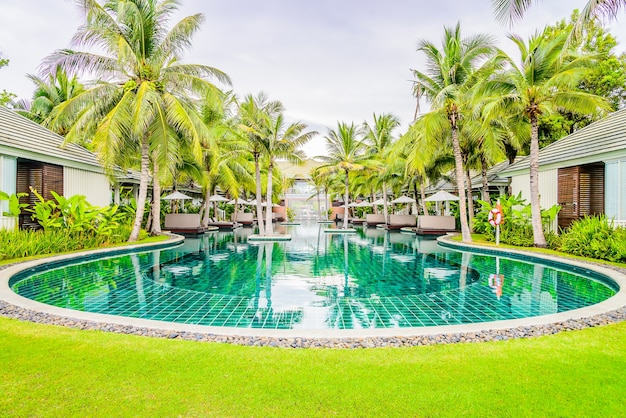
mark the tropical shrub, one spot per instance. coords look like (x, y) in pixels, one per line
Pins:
(516, 228)
(15, 207)
(68, 224)
(595, 237)
(291, 214)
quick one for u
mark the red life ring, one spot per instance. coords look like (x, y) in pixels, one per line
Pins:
(495, 217)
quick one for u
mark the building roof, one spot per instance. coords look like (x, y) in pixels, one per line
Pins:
(448, 181)
(303, 171)
(493, 175)
(587, 145)
(24, 138)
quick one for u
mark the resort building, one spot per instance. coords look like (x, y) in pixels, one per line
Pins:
(584, 173)
(33, 156)
(301, 195)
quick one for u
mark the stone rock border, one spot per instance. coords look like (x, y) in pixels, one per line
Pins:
(12, 311)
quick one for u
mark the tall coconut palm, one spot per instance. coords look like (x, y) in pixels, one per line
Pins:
(49, 92)
(225, 164)
(346, 153)
(141, 89)
(452, 72)
(380, 140)
(546, 79)
(254, 113)
(513, 10)
(282, 141)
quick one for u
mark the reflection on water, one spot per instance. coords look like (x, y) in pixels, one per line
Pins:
(370, 279)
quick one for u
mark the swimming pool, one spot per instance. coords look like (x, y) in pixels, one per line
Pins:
(370, 280)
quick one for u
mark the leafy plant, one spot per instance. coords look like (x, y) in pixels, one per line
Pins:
(595, 237)
(516, 228)
(15, 207)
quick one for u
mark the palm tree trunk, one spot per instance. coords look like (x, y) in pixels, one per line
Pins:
(470, 200)
(328, 204)
(207, 212)
(259, 209)
(269, 230)
(143, 188)
(385, 208)
(423, 196)
(460, 178)
(156, 197)
(535, 205)
(345, 200)
(485, 191)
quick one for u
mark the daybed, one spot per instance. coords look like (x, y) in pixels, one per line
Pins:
(244, 218)
(401, 221)
(224, 224)
(374, 219)
(435, 225)
(184, 223)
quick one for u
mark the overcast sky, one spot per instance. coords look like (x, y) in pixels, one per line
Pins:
(325, 60)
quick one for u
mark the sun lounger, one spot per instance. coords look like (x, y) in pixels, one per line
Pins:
(224, 224)
(373, 219)
(184, 223)
(401, 221)
(244, 218)
(435, 225)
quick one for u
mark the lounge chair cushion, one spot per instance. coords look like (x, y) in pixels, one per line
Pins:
(446, 223)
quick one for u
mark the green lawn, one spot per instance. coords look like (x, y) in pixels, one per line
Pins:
(55, 371)
(148, 240)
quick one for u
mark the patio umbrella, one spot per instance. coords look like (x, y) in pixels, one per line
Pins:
(214, 199)
(364, 204)
(403, 199)
(238, 201)
(176, 195)
(441, 196)
(378, 202)
(217, 198)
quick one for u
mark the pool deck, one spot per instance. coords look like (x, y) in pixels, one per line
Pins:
(611, 310)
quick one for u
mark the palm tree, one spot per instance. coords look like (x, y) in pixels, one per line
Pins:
(547, 79)
(254, 113)
(141, 90)
(281, 142)
(513, 10)
(346, 153)
(452, 72)
(226, 163)
(49, 92)
(380, 139)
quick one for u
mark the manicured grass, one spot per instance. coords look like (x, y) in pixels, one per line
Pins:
(147, 240)
(479, 239)
(56, 371)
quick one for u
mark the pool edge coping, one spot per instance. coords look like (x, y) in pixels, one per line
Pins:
(616, 302)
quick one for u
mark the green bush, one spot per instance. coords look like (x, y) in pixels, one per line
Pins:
(69, 224)
(595, 237)
(516, 228)
(18, 244)
(291, 214)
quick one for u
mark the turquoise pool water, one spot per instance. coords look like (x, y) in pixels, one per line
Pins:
(371, 279)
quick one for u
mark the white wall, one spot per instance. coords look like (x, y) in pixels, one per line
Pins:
(94, 186)
(8, 173)
(548, 187)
